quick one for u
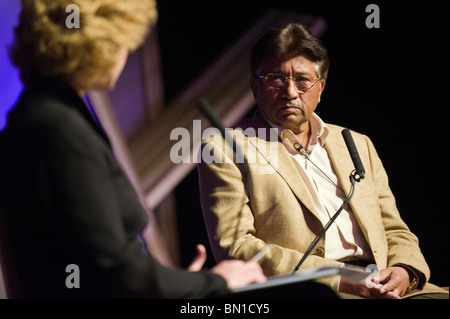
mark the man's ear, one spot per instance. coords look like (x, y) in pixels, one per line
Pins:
(322, 87)
(254, 85)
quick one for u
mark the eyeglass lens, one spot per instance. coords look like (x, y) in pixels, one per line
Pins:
(280, 80)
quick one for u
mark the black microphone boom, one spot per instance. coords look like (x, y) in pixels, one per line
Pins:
(353, 153)
(204, 107)
(326, 227)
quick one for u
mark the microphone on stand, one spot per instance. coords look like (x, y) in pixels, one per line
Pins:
(355, 176)
(205, 108)
(354, 154)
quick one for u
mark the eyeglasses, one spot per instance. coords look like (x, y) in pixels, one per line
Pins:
(278, 81)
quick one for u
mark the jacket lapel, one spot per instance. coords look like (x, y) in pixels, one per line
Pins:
(279, 159)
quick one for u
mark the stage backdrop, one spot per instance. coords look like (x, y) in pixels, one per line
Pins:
(10, 85)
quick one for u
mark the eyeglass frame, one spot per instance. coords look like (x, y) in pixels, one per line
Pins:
(286, 80)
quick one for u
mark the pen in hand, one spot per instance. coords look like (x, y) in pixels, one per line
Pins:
(261, 253)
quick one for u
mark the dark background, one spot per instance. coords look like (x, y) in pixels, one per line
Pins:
(390, 83)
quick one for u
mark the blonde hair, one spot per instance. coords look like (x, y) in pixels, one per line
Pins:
(46, 45)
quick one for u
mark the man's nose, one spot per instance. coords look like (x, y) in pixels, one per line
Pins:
(290, 90)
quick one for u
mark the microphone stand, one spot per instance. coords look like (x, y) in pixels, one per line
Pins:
(354, 177)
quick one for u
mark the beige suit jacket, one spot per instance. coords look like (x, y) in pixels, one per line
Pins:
(263, 201)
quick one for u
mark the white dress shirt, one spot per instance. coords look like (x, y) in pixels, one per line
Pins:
(343, 240)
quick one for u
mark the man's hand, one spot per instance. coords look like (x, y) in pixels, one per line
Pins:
(394, 279)
(390, 283)
(364, 290)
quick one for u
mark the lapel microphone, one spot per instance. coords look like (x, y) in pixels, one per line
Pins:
(300, 148)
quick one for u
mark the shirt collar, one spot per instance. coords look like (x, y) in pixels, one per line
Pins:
(319, 132)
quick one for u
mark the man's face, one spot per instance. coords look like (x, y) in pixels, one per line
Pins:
(286, 106)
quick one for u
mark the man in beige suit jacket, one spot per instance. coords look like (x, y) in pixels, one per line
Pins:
(294, 171)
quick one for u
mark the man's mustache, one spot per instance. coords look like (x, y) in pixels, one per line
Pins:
(294, 103)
